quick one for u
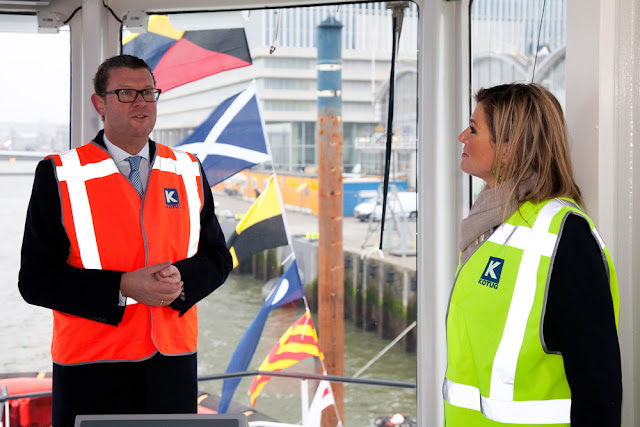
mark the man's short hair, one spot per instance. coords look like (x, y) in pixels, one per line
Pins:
(101, 79)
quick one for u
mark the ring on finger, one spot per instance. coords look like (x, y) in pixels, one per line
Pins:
(161, 302)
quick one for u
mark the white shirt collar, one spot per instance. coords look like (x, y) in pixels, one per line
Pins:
(118, 154)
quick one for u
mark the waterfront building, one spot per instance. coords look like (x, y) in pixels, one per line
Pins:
(283, 47)
(509, 39)
(287, 83)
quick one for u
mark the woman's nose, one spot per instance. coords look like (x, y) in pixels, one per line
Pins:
(463, 135)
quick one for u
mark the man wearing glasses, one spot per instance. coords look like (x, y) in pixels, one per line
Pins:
(121, 241)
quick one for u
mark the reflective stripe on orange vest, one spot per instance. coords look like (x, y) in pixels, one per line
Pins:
(110, 227)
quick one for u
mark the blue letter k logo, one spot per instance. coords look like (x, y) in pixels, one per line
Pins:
(171, 197)
(493, 270)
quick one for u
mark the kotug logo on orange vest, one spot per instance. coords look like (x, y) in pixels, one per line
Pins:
(171, 198)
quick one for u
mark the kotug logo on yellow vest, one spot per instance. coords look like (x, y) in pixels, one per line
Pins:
(492, 272)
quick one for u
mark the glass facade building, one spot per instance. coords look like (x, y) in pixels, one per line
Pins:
(287, 82)
(509, 41)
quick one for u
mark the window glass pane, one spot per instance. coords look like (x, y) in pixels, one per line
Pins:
(34, 121)
(285, 70)
(35, 87)
(510, 39)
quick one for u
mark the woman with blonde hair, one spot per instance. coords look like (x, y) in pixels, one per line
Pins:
(533, 315)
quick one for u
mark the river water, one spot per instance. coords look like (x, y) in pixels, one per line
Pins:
(25, 331)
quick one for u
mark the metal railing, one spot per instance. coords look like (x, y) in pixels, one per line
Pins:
(5, 397)
(332, 378)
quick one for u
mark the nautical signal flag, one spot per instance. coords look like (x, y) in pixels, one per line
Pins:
(178, 57)
(232, 138)
(288, 289)
(262, 227)
(298, 342)
(322, 399)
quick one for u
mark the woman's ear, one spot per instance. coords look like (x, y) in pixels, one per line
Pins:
(505, 152)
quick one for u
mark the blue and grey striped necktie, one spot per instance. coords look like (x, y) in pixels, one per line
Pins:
(134, 175)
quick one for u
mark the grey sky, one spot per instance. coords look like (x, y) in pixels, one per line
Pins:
(34, 77)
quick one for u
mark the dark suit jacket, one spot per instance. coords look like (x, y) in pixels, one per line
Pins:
(45, 278)
(579, 322)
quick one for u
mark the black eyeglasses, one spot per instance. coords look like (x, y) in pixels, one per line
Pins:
(130, 95)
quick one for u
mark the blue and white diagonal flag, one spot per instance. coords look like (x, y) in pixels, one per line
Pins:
(288, 289)
(232, 138)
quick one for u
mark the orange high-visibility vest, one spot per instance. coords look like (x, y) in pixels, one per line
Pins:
(111, 228)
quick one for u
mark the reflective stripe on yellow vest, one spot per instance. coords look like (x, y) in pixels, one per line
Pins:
(499, 372)
(110, 227)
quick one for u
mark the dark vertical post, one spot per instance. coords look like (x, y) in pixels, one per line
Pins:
(330, 253)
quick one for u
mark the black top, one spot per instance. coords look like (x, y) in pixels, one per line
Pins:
(45, 278)
(579, 323)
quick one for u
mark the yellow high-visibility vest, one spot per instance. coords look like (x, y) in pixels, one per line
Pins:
(499, 371)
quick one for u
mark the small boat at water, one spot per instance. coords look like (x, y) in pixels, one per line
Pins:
(31, 405)
(395, 420)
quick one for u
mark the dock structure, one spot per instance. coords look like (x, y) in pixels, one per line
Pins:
(379, 292)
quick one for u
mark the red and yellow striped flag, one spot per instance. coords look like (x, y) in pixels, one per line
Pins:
(299, 342)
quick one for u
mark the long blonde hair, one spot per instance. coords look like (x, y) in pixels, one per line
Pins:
(526, 121)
